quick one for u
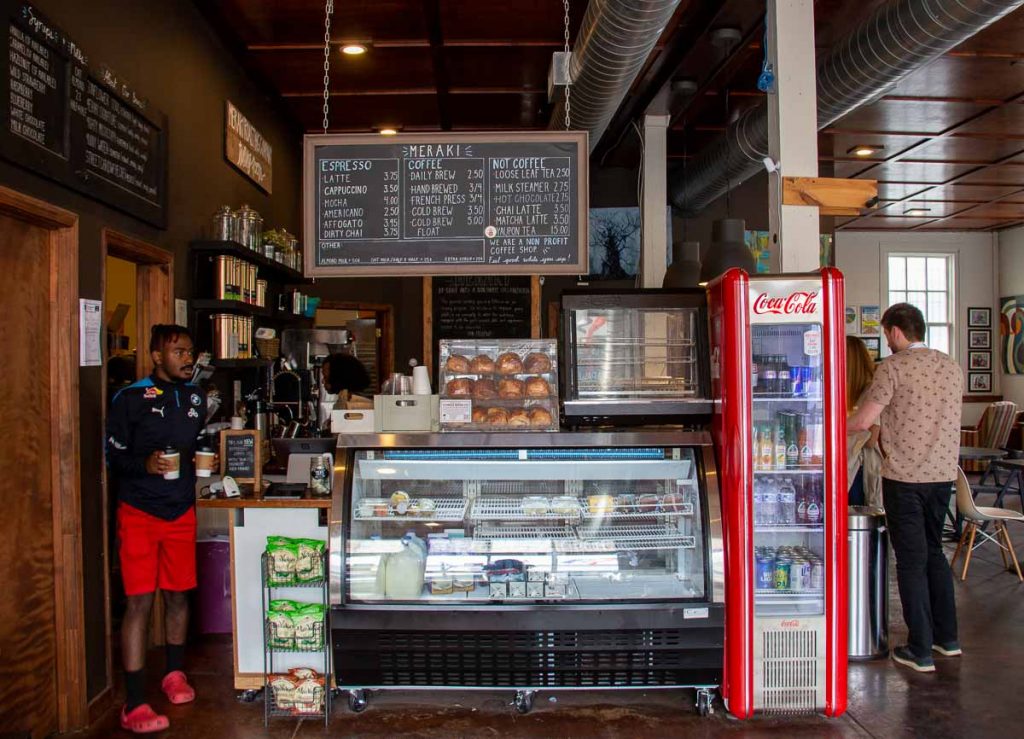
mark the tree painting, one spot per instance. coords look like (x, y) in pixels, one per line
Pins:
(614, 243)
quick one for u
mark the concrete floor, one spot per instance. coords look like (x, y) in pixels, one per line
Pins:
(972, 696)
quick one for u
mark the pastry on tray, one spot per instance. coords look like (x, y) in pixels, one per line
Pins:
(509, 363)
(497, 417)
(485, 389)
(460, 387)
(540, 417)
(457, 363)
(518, 417)
(537, 387)
(479, 415)
(481, 364)
(537, 363)
(511, 388)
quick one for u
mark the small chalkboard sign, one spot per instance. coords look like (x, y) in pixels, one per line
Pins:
(240, 455)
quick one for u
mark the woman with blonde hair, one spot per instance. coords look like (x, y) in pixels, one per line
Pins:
(864, 460)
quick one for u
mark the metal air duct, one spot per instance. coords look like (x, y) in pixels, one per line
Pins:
(897, 39)
(613, 43)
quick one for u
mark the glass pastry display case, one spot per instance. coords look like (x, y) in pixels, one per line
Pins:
(524, 561)
(634, 356)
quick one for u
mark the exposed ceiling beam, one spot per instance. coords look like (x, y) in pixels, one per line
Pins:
(412, 91)
(410, 43)
(432, 19)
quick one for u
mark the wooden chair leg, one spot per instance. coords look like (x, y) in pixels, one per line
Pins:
(970, 549)
(959, 545)
(1013, 554)
(1001, 527)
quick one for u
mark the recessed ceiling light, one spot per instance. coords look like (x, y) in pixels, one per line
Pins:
(353, 49)
(917, 211)
(864, 150)
(388, 131)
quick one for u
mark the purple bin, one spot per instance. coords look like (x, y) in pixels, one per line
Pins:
(213, 596)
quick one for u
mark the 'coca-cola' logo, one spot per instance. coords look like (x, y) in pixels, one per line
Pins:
(790, 624)
(796, 303)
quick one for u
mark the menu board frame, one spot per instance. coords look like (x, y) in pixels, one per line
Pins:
(226, 437)
(578, 265)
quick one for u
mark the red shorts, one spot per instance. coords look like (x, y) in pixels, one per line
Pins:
(154, 552)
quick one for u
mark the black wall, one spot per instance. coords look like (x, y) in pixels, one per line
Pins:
(169, 55)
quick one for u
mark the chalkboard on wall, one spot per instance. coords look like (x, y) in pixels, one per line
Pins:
(240, 456)
(470, 203)
(76, 123)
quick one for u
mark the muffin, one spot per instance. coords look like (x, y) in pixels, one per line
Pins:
(509, 363)
(485, 389)
(537, 387)
(537, 363)
(482, 365)
(457, 363)
(540, 417)
(460, 387)
(511, 388)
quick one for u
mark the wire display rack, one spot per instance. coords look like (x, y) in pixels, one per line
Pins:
(512, 509)
(639, 538)
(446, 509)
(639, 513)
(310, 697)
(525, 532)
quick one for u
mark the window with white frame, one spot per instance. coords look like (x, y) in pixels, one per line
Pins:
(926, 281)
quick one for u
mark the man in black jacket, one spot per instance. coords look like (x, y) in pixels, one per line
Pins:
(156, 521)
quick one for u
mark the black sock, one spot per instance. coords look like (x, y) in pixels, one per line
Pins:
(134, 684)
(175, 657)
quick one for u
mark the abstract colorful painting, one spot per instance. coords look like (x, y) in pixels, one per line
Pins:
(1011, 334)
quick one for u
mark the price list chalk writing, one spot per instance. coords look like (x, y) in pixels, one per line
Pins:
(446, 204)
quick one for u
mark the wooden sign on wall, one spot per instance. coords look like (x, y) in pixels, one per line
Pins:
(247, 150)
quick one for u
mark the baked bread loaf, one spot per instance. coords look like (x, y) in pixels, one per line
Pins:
(482, 365)
(485, 389)
(479, 415)
(511, 388)
(460, 387)
(518, 418)
(509, 363)
(457, 363)
(537, 387)
(540, 417)
(497, 417)
(537, 362)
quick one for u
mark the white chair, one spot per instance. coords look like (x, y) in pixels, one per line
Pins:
(974, 516)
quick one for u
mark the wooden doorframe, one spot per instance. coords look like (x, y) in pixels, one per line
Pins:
(69, 604)
(154, 301)
(384, 313)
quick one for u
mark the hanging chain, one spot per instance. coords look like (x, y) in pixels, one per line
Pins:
(568, 84)
(328, 11)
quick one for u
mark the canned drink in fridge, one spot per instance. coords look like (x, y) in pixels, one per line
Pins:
(765, 572)
(817, 575)
(782, 566)
(799, 575)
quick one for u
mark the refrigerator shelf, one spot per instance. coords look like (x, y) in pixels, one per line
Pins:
(642, 538)
(686, 509)
(525, 532)
(801, 528)
(787, 399)
(448, 509)
(819, 470)
(510, 509)
(779, 597)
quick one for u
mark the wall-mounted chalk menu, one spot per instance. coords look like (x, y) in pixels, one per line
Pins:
(78, 124)
(474, 203)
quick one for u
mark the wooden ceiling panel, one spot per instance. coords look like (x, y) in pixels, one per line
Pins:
(968, 193)
(1006, 174)
(969, 224)
(523, 67)
(902, 116)
(370, 112)
(935, 209)
(496, 111)
(298, 21)
(1003, 37)
(998, 210)
(839, 144)
(959, 149)
(892, 222)
(966, 78)
(395, 70)
(1009, 119)
(927, 172)
(524, 20)
(898, 191)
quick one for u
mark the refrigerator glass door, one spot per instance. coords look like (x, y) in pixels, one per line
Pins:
(788, 464)
(512, 526)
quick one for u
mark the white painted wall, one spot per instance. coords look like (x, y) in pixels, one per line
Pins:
(1011, 282)
(862, 258)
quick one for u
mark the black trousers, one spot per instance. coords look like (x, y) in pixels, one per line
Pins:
(915, 513)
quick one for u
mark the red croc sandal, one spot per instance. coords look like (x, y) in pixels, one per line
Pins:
(143, 720)
(176, 688)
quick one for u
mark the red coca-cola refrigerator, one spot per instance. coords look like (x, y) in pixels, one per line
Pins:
(778, 378)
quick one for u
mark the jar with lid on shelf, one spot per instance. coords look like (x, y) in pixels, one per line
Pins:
(224, 224)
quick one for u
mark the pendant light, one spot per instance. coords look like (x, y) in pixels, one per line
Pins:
(685, 268)
(728, 249)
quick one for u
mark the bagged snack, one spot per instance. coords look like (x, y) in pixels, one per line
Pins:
(301, 673)
(284, 605)
(282, 555)
(282, 629)
(309, 695)
(309, 626)
(283, 687)
(309, 566)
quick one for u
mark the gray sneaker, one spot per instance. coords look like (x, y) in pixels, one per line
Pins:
(903, 656)
(948, 649)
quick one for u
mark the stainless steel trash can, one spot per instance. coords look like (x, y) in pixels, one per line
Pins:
(868, 583)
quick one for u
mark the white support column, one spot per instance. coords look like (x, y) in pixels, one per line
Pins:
(793, 130)
(654, 207)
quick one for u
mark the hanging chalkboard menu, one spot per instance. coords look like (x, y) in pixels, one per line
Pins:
(79, 124)
(473, 203)
(240, 455)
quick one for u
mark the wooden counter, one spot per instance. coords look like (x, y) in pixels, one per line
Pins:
(250, 501)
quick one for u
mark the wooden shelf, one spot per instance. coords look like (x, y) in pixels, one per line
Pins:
(267, 267)
(240, 363)
(231, 306)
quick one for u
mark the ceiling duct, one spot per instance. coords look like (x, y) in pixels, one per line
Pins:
(897, 39)
(614, 41)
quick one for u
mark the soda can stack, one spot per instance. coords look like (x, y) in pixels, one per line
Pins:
(788, 568)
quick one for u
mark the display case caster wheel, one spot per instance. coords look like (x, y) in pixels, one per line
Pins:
(705, 702)
(248, 696)
(357, 701)
(524, 700)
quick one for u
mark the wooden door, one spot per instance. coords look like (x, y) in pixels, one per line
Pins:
(41, 661)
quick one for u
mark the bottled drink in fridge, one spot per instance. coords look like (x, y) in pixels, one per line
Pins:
(771, 503)
(782, 376)
(787, 502)
(792, 425)
(814, 511)
(779, 442)
(758, 502)
(766, 450)
(754, 362)
(804, 441)
(766, 375)
(801, 502)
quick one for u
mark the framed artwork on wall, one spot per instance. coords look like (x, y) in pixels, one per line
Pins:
(980, 361)
(979, 339)
(874, 345)
(979, 318)
(979, 382)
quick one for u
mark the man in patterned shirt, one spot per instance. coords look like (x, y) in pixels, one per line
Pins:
(916, 395)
